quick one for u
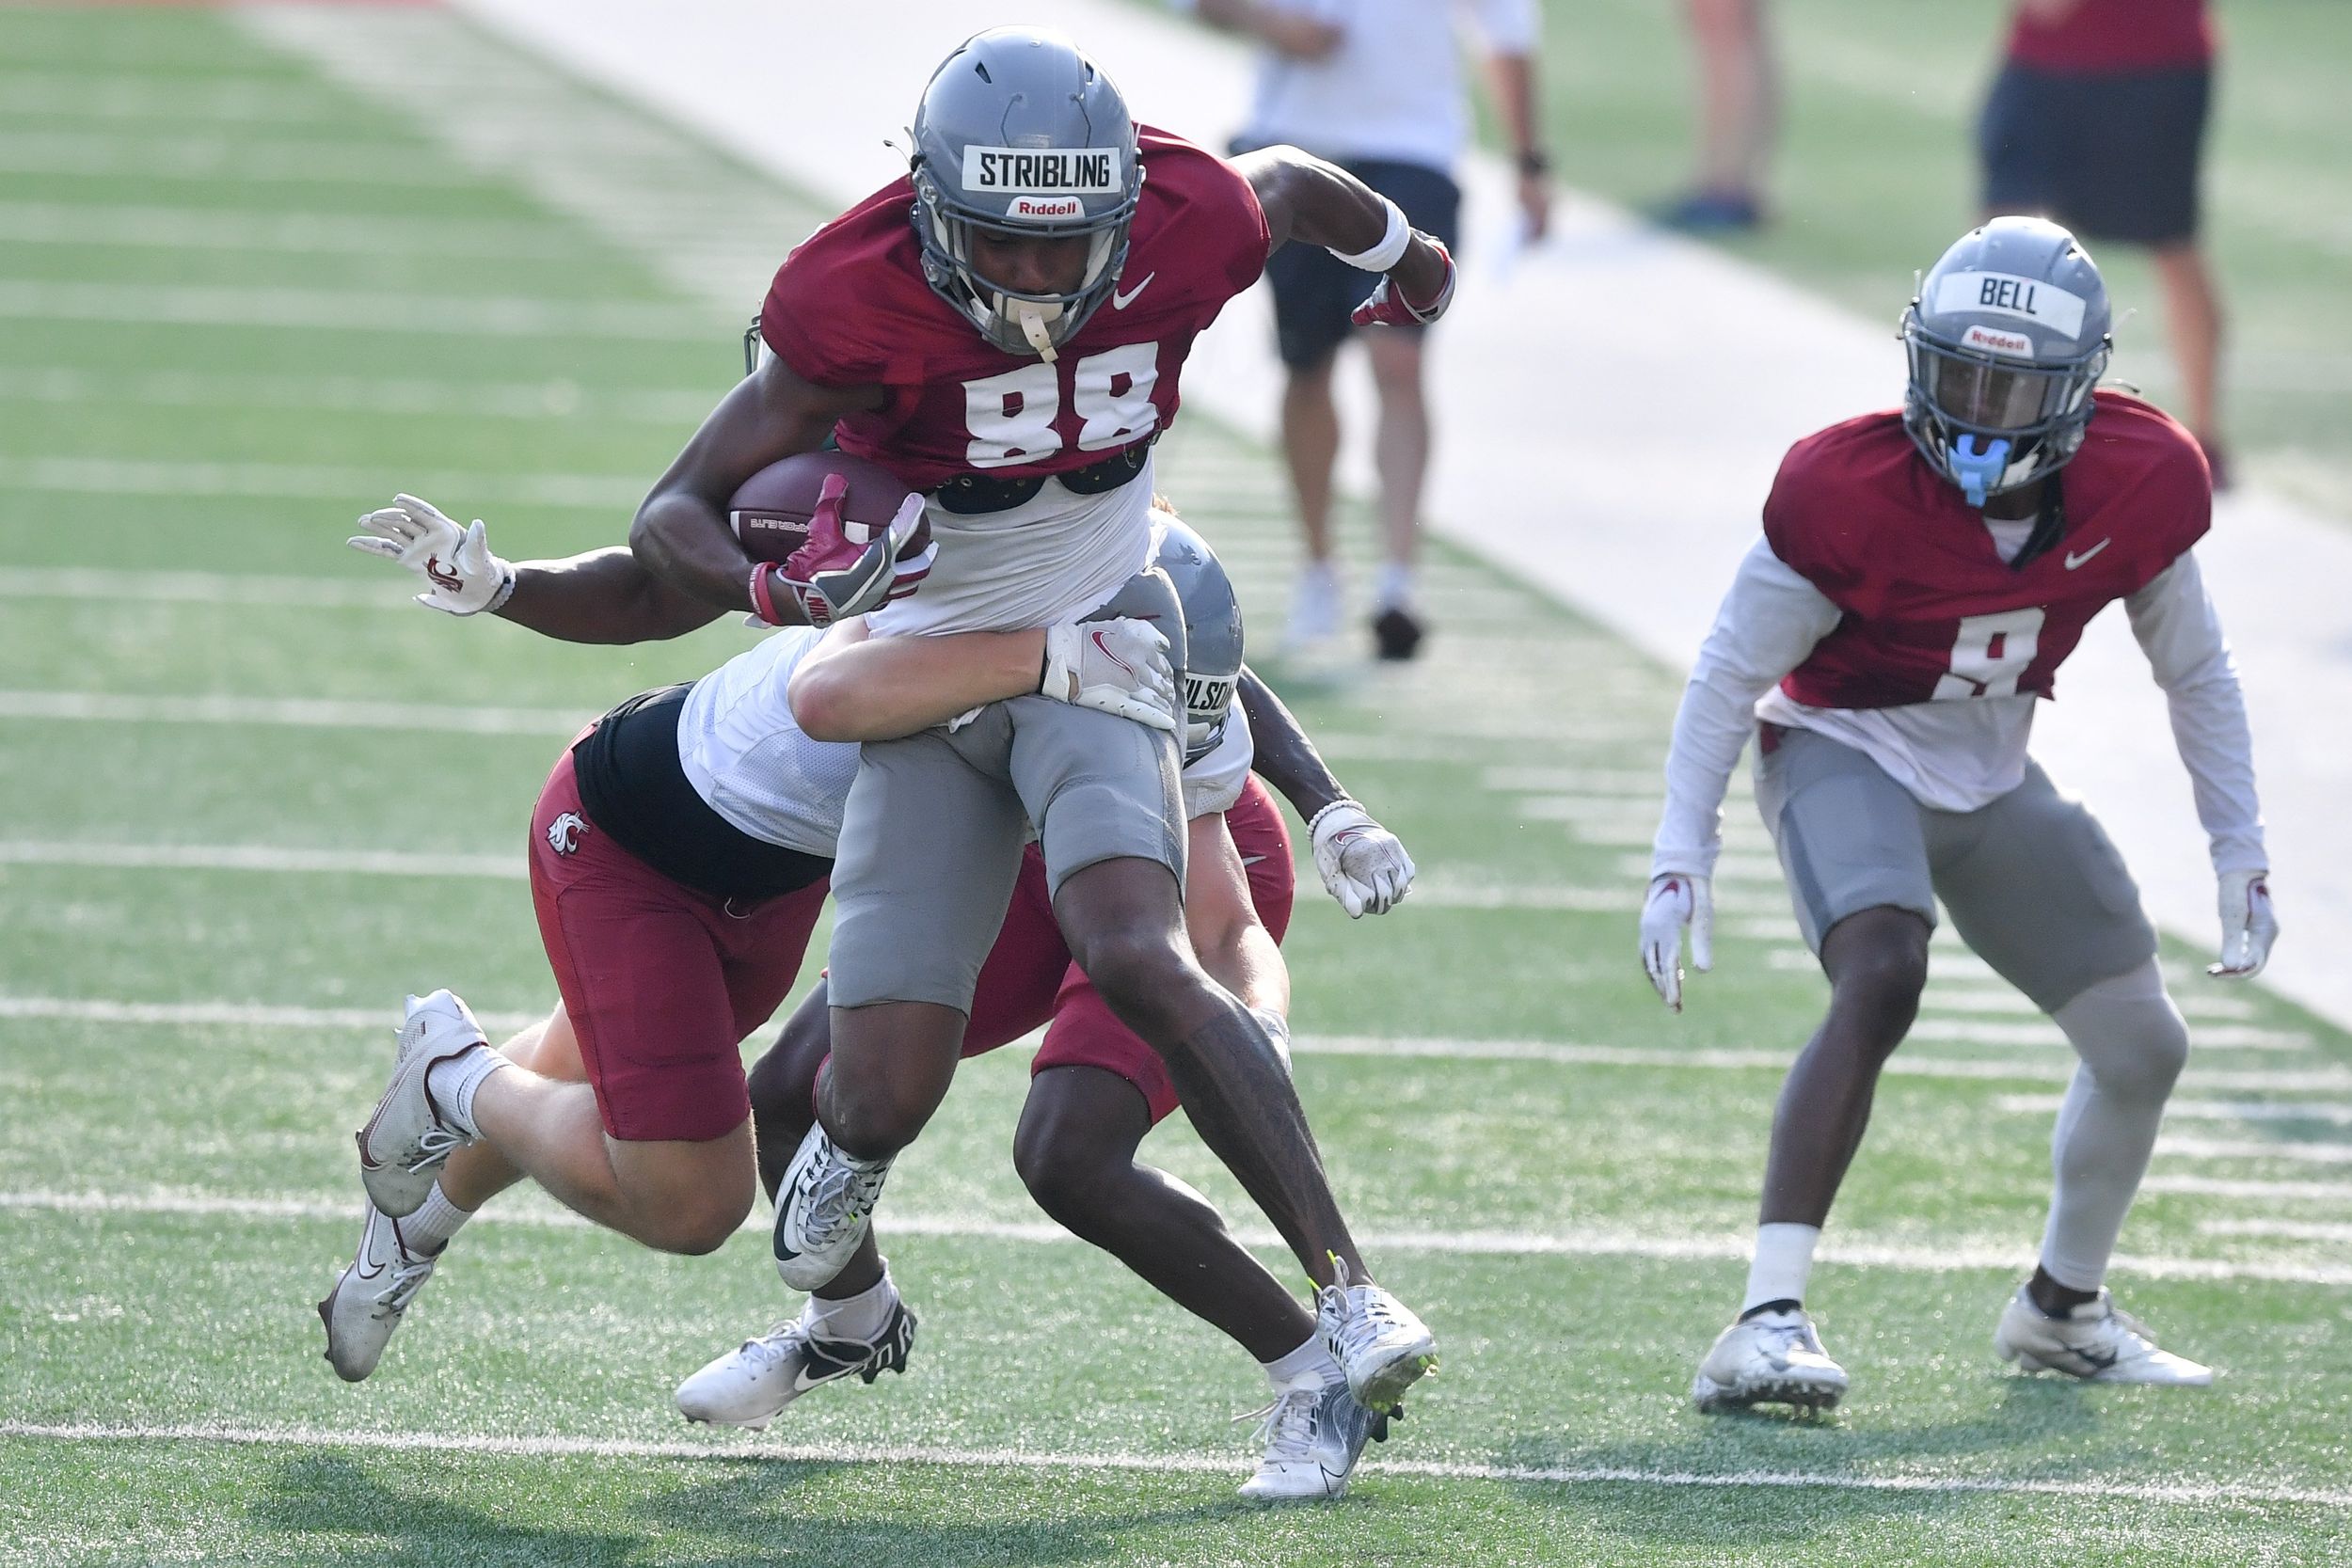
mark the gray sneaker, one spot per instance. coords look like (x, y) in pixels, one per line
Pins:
(404, 1143)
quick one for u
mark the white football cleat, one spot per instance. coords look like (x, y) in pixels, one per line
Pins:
(411, 1133)
(823, 1208)
(1314, 1433)
(366, 1304)
(1771, 1358)
(750, 1386)
(1378, 1342)
(2094, 1343)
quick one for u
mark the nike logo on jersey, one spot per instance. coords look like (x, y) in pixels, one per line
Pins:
(1251, 860)
(2074, 561)
(1122, 298)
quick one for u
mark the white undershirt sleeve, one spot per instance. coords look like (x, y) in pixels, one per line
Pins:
(2173, 618)
(1770, 620)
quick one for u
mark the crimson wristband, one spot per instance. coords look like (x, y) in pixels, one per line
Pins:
(763, 604)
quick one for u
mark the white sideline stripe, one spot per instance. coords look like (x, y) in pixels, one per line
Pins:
(119, 476)
(277, 233)
(2225, 1148)
(354, 311)
(2219, 1186)
(301, 712)
(555, 1446)
(243, 1015)
(253, 1015)
(114, 584)
(260, 857)
(1701, 1247)
(2293, 1231)
(2217, 1037)
(555, 398)
(2335, 1114)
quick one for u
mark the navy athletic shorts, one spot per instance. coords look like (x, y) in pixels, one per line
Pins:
(2112, 155)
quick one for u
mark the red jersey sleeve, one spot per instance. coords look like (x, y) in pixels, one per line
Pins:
(2164, 484)
(821, 316)
(1210, 210)
(1813, 522)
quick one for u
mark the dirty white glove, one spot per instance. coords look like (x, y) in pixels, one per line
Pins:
(1677, 902)
(2249, 925)
(1116, 666)
(461, 575)
(1362, 864)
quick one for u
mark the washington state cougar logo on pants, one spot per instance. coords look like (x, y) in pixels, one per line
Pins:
(564, 833)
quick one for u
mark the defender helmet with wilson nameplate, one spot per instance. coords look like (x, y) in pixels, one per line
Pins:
(1021, 134)
(2006, 339)
(773, 510)
(1213, 638)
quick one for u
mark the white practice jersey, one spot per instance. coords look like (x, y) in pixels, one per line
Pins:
(1043, 564)
(1953, 756)
(746, 756)
(1393, 89)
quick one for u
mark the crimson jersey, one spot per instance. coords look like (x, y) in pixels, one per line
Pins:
(1930, 610)
(850, 308)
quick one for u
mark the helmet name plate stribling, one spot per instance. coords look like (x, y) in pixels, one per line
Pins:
(1052, 171)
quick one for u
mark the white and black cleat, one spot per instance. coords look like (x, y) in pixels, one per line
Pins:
(1378, 1340)
(411, 1134)
(1313, 1435)
(750, 1386)
(1770, 1358)
(368, 1301)
(2093, 1342)
(823, 1208)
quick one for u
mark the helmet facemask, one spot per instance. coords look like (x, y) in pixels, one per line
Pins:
(1990, 422)
(1013, 320)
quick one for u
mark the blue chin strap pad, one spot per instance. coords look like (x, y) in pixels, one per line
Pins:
(1974, 470)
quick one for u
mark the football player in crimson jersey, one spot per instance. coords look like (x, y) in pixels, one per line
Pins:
(1920, 577)
(1005, 330)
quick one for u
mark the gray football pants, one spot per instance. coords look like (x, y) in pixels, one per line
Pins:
(2037, 888)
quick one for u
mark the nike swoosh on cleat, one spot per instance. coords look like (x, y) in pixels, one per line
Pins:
(1121, 299)
(2074, 561)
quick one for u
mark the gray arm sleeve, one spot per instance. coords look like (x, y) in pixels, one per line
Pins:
(1768, 622)
(2174, 620)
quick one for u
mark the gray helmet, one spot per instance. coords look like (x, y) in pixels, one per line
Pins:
(2005, 340)
(1212, 633)
(1020, 133)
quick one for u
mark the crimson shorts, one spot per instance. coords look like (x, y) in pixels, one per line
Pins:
(661, 982)
(1029, 979)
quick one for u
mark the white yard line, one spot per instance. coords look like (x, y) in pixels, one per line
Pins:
(1723, 1246)
(1566, 1053)
(2221, 1186)
(276, 232)
(2290, 1230)
(150, 305)
(209, 159)
(616, 494)
(2334, 1114)
(260, 857)
(554, 399)
(57, 96)
(113, 585)
(2227, 1149)
(301, 712)
(2215, 1037)
(559, 1446)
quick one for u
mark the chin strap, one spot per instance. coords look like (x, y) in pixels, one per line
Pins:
(1978, 470)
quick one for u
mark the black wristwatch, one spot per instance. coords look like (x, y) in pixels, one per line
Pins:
(1534, 164)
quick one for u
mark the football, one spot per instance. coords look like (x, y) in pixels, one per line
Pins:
(771, 511)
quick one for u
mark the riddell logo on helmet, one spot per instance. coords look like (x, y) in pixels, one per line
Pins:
(1994, 341)
(1046, 207)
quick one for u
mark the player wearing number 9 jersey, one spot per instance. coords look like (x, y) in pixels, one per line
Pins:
(1920, 577)
(1004, 330)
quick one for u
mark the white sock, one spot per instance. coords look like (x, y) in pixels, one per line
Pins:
(453, 1080)
(1394, 588)
(1277, 1029)
(428, 1230)
(1782, 1263)
(858, 1317)
(1311, 1359)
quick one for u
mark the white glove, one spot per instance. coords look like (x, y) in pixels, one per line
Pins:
(1676, 901)
(461, 575)
(2249, 925)
(1118, 666)
(1362, 864)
